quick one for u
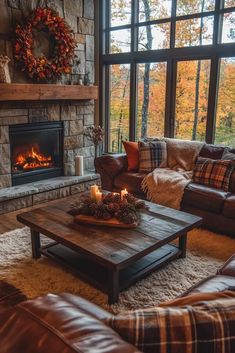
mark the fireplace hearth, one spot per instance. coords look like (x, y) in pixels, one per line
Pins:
(36, 151)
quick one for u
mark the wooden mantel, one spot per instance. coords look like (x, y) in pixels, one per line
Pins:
(35, 92)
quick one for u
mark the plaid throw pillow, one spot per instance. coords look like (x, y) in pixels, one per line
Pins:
(206, 327)
(152, 155)
(214, 173)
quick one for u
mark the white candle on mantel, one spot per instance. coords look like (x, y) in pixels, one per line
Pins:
(123, 193)
(93, 191)
(98, 196)
(79, 165)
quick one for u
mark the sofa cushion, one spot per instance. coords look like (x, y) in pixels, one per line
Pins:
(211, 151)
(194, 298)
(152, 155)
(228, 155)
(130, 181)
(182, 154)
(229, 207)
(214, 173)
(228, 269)
(204, 197)
(212, 284)
(132, 152)
(202, 327)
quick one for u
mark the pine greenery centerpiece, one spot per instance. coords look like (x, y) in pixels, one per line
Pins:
(125, 209)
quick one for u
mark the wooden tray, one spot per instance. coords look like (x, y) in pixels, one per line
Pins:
(113, 222)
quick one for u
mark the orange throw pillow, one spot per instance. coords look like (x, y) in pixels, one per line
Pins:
(132, 152)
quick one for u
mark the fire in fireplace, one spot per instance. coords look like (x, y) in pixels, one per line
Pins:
(36, 151)
(31, 159)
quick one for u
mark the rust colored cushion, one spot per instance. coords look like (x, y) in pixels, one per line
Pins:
(132, 152)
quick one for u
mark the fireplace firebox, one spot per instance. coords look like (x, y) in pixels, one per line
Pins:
(36, 151)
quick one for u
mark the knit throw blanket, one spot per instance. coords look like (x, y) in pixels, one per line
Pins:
(165, 186)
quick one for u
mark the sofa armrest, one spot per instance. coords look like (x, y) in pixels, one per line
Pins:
(228, 269)
(109, 166)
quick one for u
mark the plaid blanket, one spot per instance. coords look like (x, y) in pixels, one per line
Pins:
(214, 173)
(206, 327)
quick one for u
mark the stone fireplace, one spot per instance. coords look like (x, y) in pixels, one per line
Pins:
(62, 122)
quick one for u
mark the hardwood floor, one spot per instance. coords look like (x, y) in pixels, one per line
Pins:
(9, 222)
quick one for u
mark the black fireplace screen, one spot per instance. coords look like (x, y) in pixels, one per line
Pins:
(36, 151)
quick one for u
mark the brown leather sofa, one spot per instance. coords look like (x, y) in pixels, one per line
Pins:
(216, 207)
(67, 323)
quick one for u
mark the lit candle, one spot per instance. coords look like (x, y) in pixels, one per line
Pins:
(93, 191)
(98, 196)
(123, 193)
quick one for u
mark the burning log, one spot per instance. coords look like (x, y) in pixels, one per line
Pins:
(32, 159)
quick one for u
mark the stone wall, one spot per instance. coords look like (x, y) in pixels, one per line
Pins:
(79, 14)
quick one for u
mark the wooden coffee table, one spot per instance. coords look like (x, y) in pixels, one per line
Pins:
(109, 258)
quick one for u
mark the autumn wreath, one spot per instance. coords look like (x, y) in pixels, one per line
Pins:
(60, 60)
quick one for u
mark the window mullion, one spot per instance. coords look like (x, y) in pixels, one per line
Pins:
(171, 79)
(133, 76)
(106, 104)
(133, 102)
(212, 100)
(106, 13)
(173, 24)
(217, 22)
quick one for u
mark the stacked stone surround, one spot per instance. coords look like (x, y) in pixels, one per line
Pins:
(76, 115)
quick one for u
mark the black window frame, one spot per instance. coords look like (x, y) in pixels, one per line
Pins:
(172, 55)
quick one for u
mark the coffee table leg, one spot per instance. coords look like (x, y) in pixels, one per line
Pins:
(183, 245)
(35, 239)
(113, 290)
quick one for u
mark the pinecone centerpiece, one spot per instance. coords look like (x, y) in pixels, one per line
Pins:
(126, 209)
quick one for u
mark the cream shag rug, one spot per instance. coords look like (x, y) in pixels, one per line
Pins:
(206, 253)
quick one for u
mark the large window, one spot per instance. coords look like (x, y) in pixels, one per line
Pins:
(168, 69)
(192, 99)
(151, 99)
(225, 115)
(119, 105)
